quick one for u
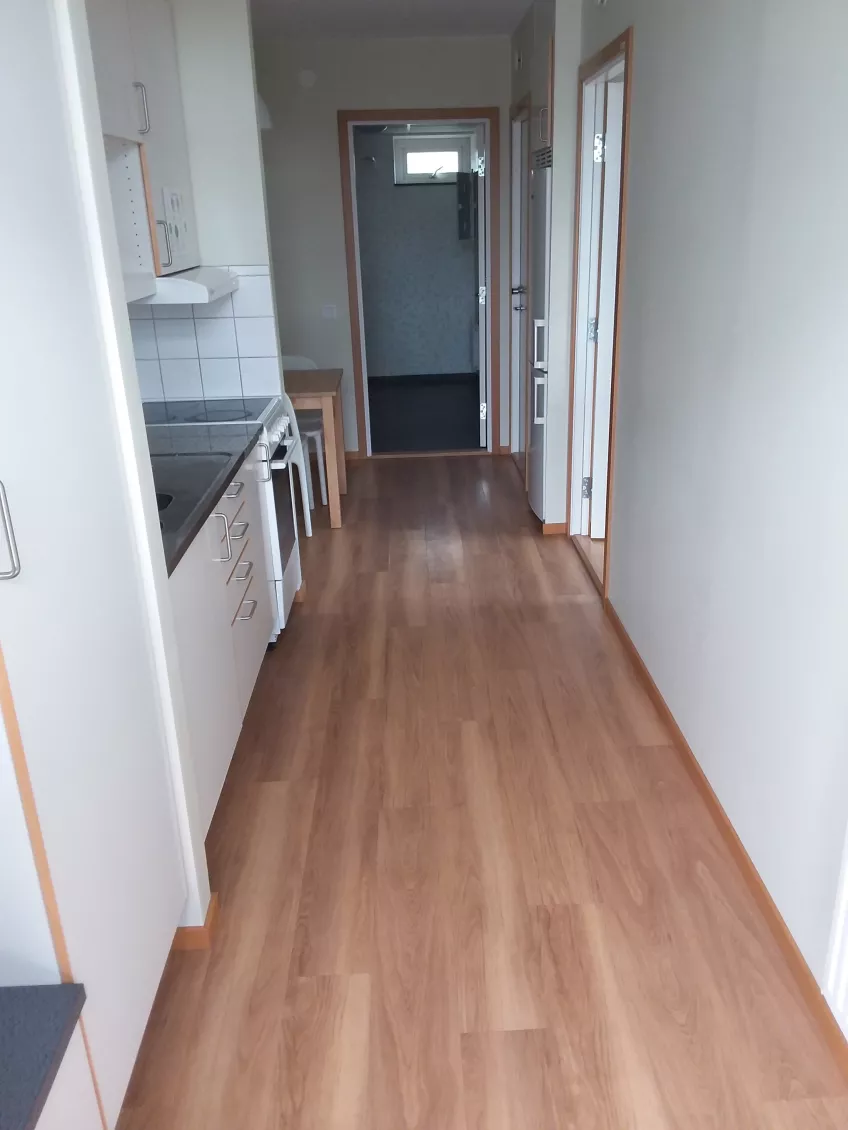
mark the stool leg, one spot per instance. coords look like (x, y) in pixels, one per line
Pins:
(322, 471)
(304, 488)
(307, 462)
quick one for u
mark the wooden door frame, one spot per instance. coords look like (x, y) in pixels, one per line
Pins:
(622, 45)
(521, 111)
(491, 116)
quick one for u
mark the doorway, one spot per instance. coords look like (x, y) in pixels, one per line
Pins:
(519, 284)
(420, 206)
(602, 176)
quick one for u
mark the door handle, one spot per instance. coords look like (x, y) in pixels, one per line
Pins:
(140, 86)
(540, 359)
(539, 382)
(9, 534)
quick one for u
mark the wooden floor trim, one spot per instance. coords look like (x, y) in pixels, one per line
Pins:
(801, 972)
(597, 581)
(198, 937)
(554, 529)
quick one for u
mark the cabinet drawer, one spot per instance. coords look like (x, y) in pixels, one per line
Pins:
(241, 575)
(252, 627)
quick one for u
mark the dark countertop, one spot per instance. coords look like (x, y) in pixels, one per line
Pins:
(194, 465)
(36, 1024)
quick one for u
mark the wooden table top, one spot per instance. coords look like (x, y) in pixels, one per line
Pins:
(312, 382)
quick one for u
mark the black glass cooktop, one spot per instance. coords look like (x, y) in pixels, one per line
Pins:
(229, 411)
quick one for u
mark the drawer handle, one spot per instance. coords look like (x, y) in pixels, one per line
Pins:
(252, 604)
(243, 527)
(235, 490)
(248, 569)
(229, 556)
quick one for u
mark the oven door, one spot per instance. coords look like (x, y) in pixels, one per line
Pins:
(281, 478)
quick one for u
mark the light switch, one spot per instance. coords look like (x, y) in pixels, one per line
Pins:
(329, 312)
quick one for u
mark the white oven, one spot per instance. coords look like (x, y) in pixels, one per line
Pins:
(277, 491)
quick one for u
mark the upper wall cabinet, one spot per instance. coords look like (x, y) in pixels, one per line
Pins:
(121, 112)
(155, 51)
(138, 87)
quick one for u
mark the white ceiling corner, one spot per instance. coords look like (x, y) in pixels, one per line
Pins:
(327, 19)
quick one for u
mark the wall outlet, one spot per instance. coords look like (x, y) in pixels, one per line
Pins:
(329, 312)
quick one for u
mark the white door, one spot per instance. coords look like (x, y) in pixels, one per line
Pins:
(479, 158)
(540, 257)
(607, 290)
(586, 325)
(519, 283)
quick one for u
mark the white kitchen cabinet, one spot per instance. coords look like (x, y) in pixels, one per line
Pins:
(207, 668)
(121, 111)
(157, 74)
(253, 621)
(138, 90)
(71, 1103)
(223, 617)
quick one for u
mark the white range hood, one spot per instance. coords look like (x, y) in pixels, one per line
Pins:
(200, 284)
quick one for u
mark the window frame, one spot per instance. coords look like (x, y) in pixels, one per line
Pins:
(405, 143)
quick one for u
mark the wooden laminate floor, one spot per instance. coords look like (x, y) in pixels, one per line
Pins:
(465, 882)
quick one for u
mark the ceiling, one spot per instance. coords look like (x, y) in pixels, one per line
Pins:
(328, 19)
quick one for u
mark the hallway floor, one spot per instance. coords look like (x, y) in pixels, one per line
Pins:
(465, 882)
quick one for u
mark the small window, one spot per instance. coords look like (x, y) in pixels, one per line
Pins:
(430, 160)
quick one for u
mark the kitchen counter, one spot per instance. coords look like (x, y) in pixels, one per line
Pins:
(192, 466)
(36, 1024)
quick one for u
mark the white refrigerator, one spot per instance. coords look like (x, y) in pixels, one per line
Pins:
(540, 272)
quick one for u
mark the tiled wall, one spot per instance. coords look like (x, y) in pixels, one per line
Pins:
(223, 348)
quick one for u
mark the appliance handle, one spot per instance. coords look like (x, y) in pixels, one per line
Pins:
(539, 382)
(540, 358)
(9, 533)
(170, 262)
(140, 86)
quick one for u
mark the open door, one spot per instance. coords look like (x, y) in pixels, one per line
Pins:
(600, 234)
(479, 170)
(519, 288)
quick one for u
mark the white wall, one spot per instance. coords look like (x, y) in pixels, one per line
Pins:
(729, 549)
(304, 84)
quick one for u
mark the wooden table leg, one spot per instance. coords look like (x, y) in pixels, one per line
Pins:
(340, 444)
(331, 456)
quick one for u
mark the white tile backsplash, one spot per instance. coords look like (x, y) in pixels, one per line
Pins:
(176, 338)
(165, 311)
(149, 380)
(181, 379)
(221, 376)
(216, 337)
(222, 348)
(253, 297)
(144, 341)
(260, 376)
(220, 308)
(257, 337)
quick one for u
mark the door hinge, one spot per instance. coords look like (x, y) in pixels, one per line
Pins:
(587, 487)
(484, 410)
(600, 148)
(481, 295)
(593, 329)
(480, 166)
